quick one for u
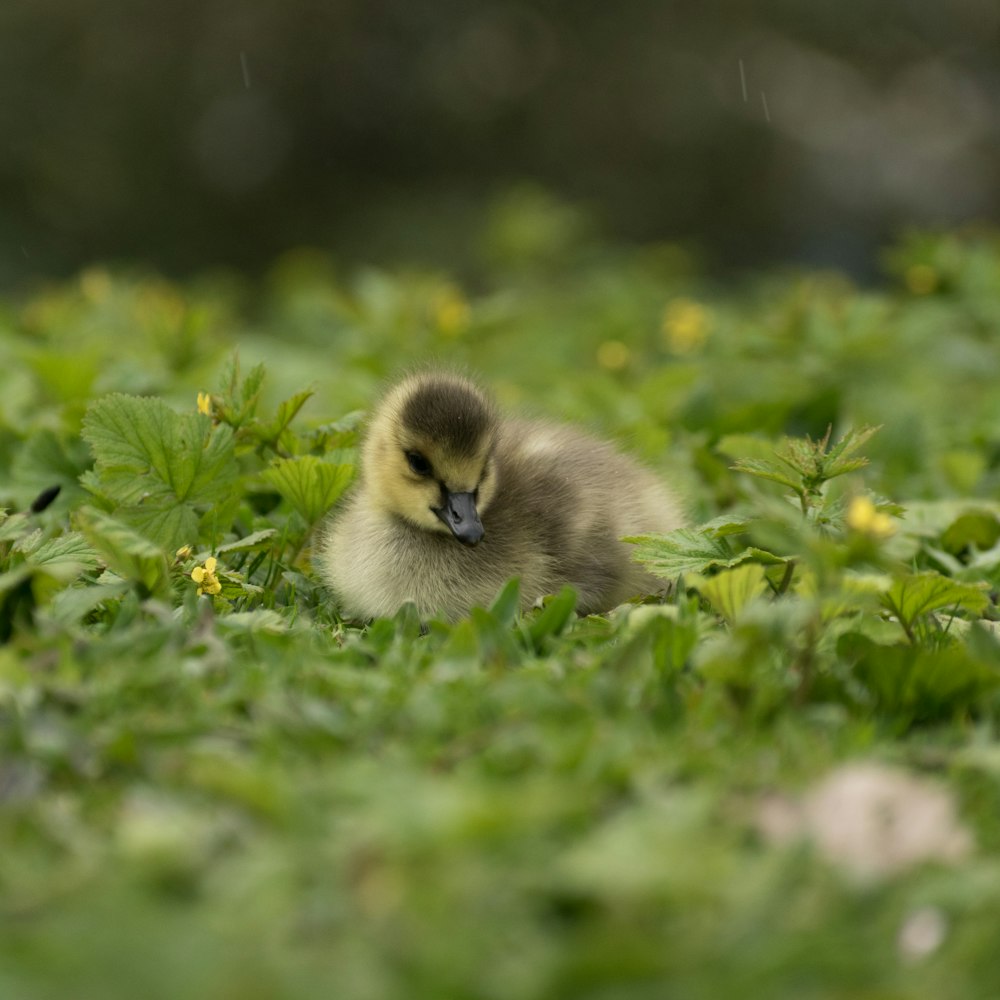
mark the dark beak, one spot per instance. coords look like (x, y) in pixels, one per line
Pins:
(460, 514)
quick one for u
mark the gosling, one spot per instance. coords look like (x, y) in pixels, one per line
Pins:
(453, 500)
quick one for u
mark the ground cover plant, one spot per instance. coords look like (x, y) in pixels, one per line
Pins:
(782, 780)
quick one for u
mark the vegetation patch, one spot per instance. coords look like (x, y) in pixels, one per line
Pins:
(784, 776)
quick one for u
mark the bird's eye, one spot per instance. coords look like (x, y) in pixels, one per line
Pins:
(418, 463)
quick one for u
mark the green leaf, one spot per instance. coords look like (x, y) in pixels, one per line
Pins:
(921, 684)
(504, 609)
(686, 550)
(694, 550)
(725, 525)
(13, 526)
(765, 469)
(182, 453)
(812, 462)
(918, 594)
(730, 591)
(249, 543)
(837, 461)
(72, 603)
(553, 618)
(14, 577)
(127, 553)
(673, 643)
(240, 396)
(44, 461)
(158, 467)
(170, 524)
(339, 433)
(496, 641)
(64, 557)
(975, 528)
(932, 518)
(285, 414)
(262, 621)
(309, 484)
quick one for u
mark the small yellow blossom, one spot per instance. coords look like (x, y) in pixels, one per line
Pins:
(613, 355)
(864, 518)
(205, 403)
(204, 576)
(183, 552)
(921, 279)
(451, 311)
(686, 325)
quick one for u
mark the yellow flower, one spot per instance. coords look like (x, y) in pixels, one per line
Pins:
(204, 576)
(183, 552)
(686, 326)
(451, 311)
(613, 355)
(864, 518)
(921, 279)
(205, 403)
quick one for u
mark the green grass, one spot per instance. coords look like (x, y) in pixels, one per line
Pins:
(242, 795)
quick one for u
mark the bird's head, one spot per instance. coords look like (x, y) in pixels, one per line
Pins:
(428, 456)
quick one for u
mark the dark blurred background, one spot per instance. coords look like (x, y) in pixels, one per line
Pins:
(192, 133)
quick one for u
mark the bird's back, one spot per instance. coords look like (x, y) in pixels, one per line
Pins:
(574, 498)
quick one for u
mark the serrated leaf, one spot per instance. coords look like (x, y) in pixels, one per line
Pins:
(13, 526)
(686, 550)
(692, 550)
(158, 467)
(72, 603)
(168, 524)
(837, 462)
(142, 437)
(730, 591)
(126, 552)
(725, 525)
(64, 557)
(249, 543)
(240, 398)
(918, 594)
(309, 484)
(285, 414)
(764, 469)
(811, 462)
(28, 542)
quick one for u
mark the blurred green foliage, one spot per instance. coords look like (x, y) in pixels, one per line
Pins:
(211, 785)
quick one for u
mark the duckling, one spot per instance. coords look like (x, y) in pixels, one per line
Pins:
(453, 500)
